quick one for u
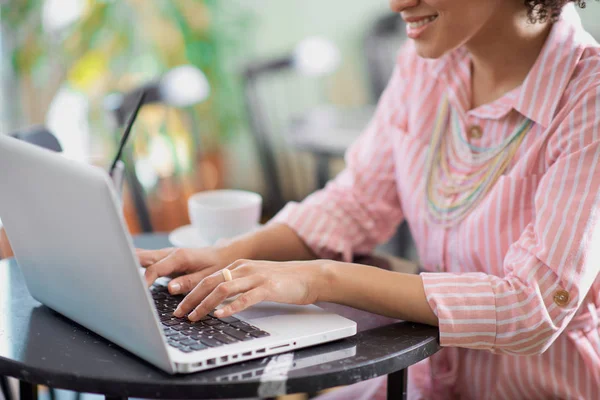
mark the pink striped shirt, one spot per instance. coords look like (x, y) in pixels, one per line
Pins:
(515, 285)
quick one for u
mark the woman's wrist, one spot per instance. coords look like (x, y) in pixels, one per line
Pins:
(234, 250)
(274, 242)
(325, 281)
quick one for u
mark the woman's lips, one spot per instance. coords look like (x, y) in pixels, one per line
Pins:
(416, 26)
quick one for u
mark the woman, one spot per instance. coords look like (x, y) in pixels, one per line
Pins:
(486, 141)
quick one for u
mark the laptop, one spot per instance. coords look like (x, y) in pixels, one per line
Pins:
(65, 225)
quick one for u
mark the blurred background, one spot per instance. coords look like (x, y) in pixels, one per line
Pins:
(243, 92)
(262, 95)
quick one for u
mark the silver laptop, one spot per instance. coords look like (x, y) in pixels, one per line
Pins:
(65, 225)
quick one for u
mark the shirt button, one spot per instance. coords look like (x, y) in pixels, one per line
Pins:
(475, 132)
(561, 298)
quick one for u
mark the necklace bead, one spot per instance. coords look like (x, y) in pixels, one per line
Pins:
(454, 187)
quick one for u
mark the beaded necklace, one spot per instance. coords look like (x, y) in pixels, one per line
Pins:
(454, 187)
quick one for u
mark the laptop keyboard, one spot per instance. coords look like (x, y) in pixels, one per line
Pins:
(210, 331)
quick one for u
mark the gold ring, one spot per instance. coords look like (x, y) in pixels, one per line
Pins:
(226, 274)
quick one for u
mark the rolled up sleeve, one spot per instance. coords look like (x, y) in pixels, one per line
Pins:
(549, 270)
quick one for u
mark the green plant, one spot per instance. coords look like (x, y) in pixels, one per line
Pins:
(116, 45)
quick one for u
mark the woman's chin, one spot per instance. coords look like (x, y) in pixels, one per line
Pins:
(427, 49)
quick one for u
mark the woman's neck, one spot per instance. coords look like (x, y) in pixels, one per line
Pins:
(502, 54)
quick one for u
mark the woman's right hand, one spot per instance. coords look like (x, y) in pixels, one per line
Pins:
(187, 267)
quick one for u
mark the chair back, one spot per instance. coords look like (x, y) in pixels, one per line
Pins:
(39, 136)
(274, 93)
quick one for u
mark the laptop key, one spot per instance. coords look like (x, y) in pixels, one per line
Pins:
(229, 320)
(199, 328)
(198, 346)
(235, 333)
(188, 332)
(259, 334)
(221, 326)
(211, 322)
(171, 333)
(188, 342)
(171, 322)
(210, 342)
(225, 338)
(186, 349)
(180, 327)
(248, 328)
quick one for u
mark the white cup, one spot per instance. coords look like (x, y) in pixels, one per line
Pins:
(224, 214)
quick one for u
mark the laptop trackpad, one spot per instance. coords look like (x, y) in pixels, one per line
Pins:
(271, 309)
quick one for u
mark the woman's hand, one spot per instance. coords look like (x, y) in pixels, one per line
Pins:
(187, 266)
(255, 281)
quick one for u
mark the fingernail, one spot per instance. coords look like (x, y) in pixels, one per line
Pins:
(220, 312)
(175, 288)
(193, 315)
(177, 312)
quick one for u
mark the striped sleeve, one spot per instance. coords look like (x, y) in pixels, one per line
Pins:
(549, 269)
(360, 208)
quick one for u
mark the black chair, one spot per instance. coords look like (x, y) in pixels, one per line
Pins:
(42, 137)
(170, 90)
(121, 106)
(261, 130)
(39, 136)
(276, 91)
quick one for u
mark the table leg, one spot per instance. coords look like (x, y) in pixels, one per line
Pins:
(396, 388)
(28, 391)
(5, 388)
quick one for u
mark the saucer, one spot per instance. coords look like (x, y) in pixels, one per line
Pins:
(187, 236)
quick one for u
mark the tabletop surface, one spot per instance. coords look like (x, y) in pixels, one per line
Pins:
(40, 346)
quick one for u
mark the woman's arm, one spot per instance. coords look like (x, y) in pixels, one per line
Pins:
(274, 242)
(305, 282)
(388, 293)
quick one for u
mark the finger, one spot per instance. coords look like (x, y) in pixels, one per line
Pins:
(243, 302)
(176, 261)
(221, 293)
(186, 283)
(149, 257)
(201, 290)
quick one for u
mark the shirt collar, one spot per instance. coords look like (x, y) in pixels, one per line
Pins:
(545, 84)
(539, 95)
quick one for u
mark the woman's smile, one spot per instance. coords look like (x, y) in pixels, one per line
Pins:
(415, 26)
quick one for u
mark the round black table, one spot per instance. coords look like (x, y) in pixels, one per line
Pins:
(39, 346)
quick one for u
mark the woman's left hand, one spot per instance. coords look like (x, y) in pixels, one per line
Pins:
(298, 282)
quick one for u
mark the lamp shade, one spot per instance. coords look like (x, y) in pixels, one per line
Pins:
(184, 86)
(316, 56)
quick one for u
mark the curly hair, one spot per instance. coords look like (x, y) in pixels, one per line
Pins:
(547, 10)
